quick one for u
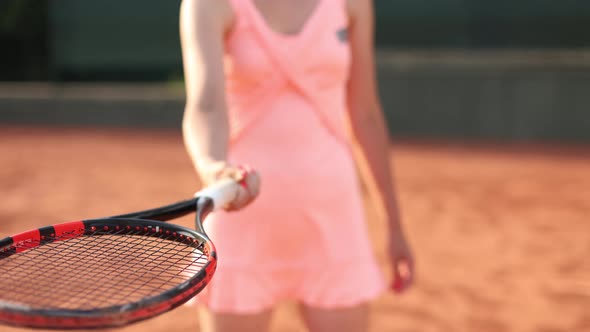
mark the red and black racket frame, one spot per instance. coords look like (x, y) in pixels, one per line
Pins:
(143, 223)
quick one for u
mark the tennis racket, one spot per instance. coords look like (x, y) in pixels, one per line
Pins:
(109, 272)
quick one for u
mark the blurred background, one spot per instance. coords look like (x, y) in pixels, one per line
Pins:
(487, 102)
(448, 68)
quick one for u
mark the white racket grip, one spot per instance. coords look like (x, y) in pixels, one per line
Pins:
(222, 192)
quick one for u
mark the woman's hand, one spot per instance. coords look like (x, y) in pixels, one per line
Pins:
(247, 177)
(402, 262)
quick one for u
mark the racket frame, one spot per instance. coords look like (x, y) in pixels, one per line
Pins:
(150, 223)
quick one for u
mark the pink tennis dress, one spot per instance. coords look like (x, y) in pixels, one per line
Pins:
(305, 237)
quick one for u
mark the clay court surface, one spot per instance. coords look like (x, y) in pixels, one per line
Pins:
(501, 234)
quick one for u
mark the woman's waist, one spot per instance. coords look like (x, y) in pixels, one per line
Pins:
(290, 119)
(273, 153)
(309, 176)
(285, 98)
(289, 134)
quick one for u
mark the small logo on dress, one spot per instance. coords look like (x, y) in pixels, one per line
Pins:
(342, 35)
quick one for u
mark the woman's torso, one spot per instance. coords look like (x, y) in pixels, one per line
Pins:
(287, 105)
(287, 94)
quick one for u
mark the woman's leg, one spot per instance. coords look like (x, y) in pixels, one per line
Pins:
(351, 319)
(224, 322)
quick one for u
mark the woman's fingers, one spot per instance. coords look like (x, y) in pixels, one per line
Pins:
(249, 181)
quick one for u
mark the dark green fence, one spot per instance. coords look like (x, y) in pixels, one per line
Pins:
(23, 40)
(114, 40)
(483, 23)
(138, 40)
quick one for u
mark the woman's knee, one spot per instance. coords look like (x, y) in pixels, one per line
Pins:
(227, 322)
(347, 319)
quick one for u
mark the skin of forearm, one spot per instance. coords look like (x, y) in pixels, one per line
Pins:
(372, 147)
(206, 137)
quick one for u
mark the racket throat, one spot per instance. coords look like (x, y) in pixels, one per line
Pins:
(204, 206)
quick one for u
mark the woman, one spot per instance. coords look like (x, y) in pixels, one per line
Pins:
(288, 86)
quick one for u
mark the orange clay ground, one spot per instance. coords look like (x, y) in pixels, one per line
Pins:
(501, 235)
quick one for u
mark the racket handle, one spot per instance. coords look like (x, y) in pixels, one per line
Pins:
(222, 192)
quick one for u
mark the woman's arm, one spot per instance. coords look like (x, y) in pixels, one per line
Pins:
(205, 123)
(205, 128)
(369, 129)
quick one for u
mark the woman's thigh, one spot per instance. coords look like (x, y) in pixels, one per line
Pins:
(226, 322)
(349, 319)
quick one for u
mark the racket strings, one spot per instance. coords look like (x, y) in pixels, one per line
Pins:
(101, 270)
(132, 272)
(108, 271)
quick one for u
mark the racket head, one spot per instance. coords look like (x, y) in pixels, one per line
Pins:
(101, 273)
